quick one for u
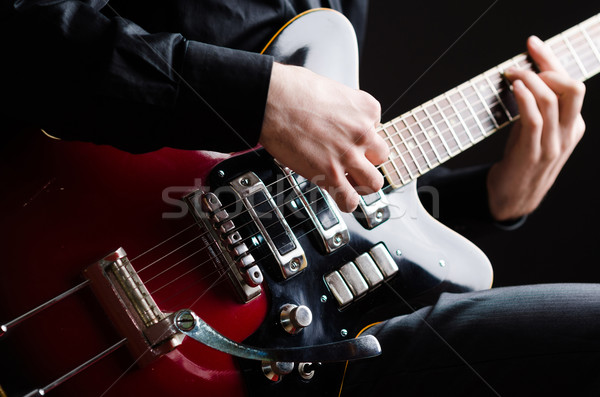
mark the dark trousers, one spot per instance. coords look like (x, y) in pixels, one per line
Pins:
(539, 340)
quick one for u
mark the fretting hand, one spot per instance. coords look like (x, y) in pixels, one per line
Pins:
(542, 140)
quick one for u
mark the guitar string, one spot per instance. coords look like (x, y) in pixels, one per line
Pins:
(249, 237)
(209, 260)
(251, 249)
(205, 232)
(164, 242)
(207, 276)
(421, 154)
(220, 253)
(582, 43)
(215, 283)
(571, 66)
(390, 159)
(236, 229)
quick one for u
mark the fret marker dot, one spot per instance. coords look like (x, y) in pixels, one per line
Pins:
(497, 114)
(411, 145)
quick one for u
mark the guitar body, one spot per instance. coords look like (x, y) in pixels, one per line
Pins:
(67, 204)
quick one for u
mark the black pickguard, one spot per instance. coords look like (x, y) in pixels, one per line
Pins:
(415, 284)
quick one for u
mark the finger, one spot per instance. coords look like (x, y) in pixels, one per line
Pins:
(377, 151)
(543, 56)
(367, 179)
(570, 96)
(546, 99)
(344, 194)
(531, 118)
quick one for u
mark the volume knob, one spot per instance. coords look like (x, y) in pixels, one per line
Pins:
(295, 318)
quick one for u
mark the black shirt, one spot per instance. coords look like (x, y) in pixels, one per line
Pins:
(141, 75)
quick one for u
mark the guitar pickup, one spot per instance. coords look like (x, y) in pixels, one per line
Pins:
(329, 225)
(269, 220)
(372, 210)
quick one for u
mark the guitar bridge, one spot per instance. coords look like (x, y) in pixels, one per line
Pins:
(130, 307)
(233, 257)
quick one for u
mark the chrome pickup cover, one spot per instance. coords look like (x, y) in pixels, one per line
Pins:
(325, 215)
(268, 218)
(372, 210)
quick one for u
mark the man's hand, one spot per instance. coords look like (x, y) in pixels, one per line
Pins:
(325, 132)
(541, 141)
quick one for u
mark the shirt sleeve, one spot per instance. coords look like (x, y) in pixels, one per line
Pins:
(458, 198)
(81, 72)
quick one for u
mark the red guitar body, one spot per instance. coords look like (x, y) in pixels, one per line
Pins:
(67, 204)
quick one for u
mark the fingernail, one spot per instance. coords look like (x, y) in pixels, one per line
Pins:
(509, 73)
(536, 41)
(518, 85)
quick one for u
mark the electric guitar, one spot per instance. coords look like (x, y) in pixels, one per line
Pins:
(178, 272)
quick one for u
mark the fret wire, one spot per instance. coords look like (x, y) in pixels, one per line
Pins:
(484, 102)
(459, 116)
(574, 58)
(404, 142)
(448, 124)
(591, 44)
(439, 134)
(427, 137)
(419, 143)
(477, 121)
(441, 124)
(419, 171)
(468, 114)
(495, 91)
(399, 154)
(573, 54)
(475, 101)
(398, 173)
(585, 52)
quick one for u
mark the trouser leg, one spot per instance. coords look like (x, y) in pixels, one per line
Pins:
(513, 341)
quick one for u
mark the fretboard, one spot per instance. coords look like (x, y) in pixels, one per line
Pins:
(454, 121)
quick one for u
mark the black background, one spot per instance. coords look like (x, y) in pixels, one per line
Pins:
(404, 39)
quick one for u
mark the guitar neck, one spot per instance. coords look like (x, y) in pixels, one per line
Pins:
(454, 121)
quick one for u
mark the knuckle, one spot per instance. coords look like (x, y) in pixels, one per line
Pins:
(536, 122)
(548, 100)
(580, 126)
(351, 200)
(373, 182)
(551, 152)
(372, 105)
(578, 88)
